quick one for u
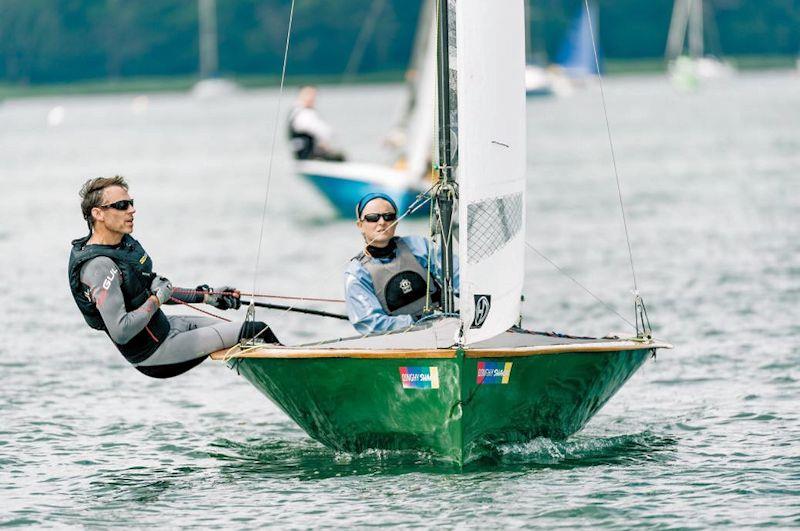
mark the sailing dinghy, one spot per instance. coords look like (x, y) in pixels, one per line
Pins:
(687, 69)
(344, 183)
(466, 379)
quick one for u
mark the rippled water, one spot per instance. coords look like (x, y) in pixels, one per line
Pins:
(705, 436)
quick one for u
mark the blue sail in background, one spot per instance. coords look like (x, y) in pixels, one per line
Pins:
(576, 56)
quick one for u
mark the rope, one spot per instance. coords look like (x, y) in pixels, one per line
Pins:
(257, 295)
(584, 288)
(272, 148)
(193, 307)
(290, 298)
(611, 145)
(431, 250)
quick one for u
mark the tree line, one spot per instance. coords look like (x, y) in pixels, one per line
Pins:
(48, 41)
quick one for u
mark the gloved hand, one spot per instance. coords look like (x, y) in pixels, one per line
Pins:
(161, 288)
(224, 302)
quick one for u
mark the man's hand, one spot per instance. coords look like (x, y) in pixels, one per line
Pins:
(162, 289)
(224, 302)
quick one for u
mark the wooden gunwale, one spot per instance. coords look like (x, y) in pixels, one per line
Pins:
(446, 353)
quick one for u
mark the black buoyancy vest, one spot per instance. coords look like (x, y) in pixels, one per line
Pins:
(302, 143)
(400, 284)
(136, 273)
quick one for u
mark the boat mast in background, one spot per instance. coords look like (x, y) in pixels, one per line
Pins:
(538, 80)
(209, 58)
(364, 36)
(211, 84)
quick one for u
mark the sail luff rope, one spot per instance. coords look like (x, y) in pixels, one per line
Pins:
(272, 147)
(611, 145)
(584, 288)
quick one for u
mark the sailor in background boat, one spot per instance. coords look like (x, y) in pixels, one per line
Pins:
(112, 281)
(309, 135)
(386, 284)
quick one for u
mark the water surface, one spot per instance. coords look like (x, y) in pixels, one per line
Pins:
(705, 436)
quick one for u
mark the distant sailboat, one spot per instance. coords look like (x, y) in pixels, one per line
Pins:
(576, 56)
(575, 62)
(687, 67)
(538, 80)
(210, 84)
(344, 183)
(464, 379)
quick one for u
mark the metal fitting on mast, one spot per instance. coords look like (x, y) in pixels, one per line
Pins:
(643, 328)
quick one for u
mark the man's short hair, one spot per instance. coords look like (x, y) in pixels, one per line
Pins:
(92, 194)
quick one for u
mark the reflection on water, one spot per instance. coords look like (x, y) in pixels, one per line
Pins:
(702, 437)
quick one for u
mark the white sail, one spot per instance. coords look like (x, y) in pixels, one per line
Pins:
(422, 118)
(491, 146)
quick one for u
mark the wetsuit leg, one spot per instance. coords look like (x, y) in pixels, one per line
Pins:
(190, 341)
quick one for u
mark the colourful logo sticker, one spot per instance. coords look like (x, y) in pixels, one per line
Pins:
(494, 372)
(419, 377)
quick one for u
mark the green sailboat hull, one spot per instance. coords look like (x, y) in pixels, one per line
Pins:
(456, 406)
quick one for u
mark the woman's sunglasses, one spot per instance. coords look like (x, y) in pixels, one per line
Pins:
(373, 218)
(123, 205)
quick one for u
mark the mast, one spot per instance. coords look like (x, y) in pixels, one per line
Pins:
(207, 10)
(528, 44)
(696, 30)
(677, 29)
(445, 190)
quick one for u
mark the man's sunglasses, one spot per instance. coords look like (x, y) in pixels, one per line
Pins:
(373, 218)
(123, 205)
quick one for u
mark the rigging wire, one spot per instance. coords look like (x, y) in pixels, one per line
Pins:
(251, 309)
(584, 288)
(272, 147)
(611, 145)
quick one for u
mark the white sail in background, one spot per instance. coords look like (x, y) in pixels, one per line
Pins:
(422, 119)
(490, 85)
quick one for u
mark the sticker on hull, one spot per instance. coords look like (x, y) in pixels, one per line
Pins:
(419, 377)
(493, 372)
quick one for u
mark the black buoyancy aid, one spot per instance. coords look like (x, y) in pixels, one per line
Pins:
(136, 273)
(400, 284)
(302, 143)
